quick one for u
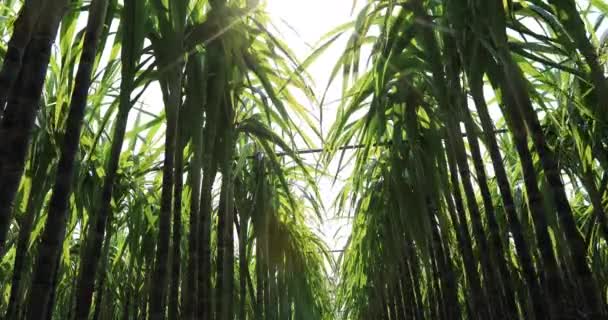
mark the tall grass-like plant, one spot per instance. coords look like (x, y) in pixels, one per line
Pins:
(428, 86)
(478, 186)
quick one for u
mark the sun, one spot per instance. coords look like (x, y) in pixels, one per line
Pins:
(312, 18)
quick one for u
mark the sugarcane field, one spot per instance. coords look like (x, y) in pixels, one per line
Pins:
(304, 160)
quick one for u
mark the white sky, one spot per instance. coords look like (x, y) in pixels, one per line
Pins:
(302, 24)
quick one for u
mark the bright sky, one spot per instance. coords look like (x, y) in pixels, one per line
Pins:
(302, 24)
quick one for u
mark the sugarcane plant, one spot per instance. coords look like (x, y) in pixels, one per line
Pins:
(480, 192)
(116, 208)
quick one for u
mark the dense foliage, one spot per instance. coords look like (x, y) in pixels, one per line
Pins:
(475, 130)
(481, 192)
(122, 210)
